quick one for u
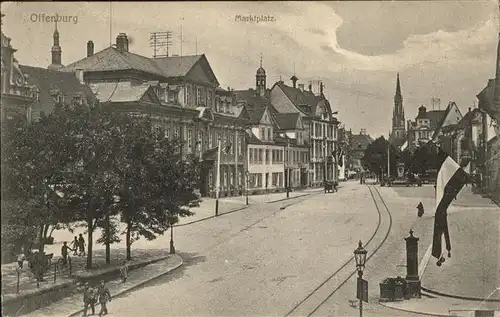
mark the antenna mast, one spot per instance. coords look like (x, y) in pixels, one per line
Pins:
(158, 40)
(182, 19)
(110, 23)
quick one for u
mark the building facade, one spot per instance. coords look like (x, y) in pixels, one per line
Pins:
(320, 126)
(182, 95)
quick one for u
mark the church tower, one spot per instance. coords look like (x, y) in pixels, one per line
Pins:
(260, 80)
(398, 115)
(56, 51)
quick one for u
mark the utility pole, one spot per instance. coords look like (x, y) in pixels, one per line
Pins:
(159, 40)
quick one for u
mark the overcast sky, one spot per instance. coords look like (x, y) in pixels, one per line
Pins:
(444, 49)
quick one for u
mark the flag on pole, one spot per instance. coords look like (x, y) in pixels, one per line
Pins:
(450, 180)
(340, 156)
(404, 146)
(227, 148)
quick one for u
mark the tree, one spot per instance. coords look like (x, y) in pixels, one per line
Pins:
(375, 157)
(92, 185)
(153, 171)
(34, 158)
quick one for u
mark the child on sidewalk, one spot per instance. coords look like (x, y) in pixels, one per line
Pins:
(124, 271)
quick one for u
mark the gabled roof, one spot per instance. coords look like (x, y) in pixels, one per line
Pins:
(360, 141)
(437, 128)
(46, 80)
(436, 117)
(253, 139)
(287, 121)
(181, 66)
(255, 105)
(486, 97)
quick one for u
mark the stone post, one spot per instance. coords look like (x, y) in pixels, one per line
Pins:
(412, 278)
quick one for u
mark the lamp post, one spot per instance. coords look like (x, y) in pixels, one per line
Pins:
(324, 160)
(172, 247)
(360, 257)
(247, 182)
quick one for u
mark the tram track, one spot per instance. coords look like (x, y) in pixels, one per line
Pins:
(323, 292)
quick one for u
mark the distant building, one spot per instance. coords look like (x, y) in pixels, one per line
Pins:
(430, 124)
(398, 133)
(358, 144)
(28, 91)
(320, 127)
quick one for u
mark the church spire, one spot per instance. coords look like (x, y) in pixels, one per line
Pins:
(56, 50)
(398, 95)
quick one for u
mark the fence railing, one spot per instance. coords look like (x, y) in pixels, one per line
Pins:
(51, 271)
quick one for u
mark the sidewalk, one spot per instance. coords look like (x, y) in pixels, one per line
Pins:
(442, 306)
(28, 282)
(466, 198)
(206, 210)
(473, 271)
(72, 306)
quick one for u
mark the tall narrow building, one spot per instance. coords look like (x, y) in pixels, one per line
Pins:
(56, 51)
(398, 134)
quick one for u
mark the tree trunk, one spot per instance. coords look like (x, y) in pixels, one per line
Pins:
(90, 229)
(45, 231)
(108, 248)
(41, 242)
(129, 243)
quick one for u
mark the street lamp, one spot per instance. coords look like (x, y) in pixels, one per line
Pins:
(172, 248)
(247, 181)
(360, 257)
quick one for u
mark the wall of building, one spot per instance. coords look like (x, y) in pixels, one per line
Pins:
(262, 160)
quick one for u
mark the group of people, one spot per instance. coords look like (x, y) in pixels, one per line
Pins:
(92, 296)
(78, 248)
(79, 245)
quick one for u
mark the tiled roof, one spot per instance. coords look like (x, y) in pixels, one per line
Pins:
(435, 116)
(360, 141)
(112, 59)
(176, 66)
(287, 121)
(486, 100)
(119, 91)
(254, 104)
(46, 80)
(253, 139)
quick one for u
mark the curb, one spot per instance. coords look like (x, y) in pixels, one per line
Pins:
(124, 292)
(475, 299)
(242, 208)
(210, 217)
(414, 311)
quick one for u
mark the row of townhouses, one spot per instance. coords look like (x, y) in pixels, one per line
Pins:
(282, 135)
(471, 137)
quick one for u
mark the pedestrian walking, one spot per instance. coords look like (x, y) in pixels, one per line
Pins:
(20, 260)
(75, 245)
(64, 252)
(104, 297)
(81, 245)
(89, 299)
(124, 271)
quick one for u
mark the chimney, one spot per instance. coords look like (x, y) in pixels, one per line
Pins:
(470, 109)
(422, 110)
(321, 89)
(294, 81)
(310, 87)
(301, 87)
(90, 48)
(122, 42)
